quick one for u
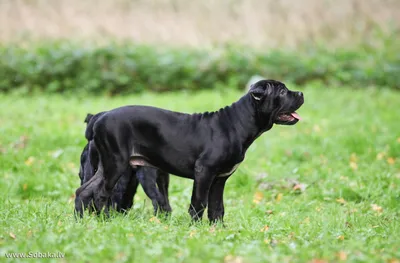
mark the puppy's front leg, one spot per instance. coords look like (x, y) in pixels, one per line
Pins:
(203, 179)
(216, 200)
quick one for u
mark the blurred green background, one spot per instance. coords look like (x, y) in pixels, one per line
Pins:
(126, 46)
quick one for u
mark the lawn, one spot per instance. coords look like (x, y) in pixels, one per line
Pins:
(324, 190)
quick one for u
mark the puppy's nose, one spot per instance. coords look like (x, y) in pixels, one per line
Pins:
(300, 94)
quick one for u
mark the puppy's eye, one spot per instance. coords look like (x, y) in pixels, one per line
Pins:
(283, 92)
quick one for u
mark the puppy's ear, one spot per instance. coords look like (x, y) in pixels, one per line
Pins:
(88, 117)
(256, 92)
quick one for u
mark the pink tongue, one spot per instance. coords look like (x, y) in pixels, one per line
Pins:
(295, 115)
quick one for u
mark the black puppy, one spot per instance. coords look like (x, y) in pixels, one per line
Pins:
(126, 187)
(205, 147)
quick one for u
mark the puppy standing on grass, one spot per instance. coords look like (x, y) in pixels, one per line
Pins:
(204, 147)
(126, 187)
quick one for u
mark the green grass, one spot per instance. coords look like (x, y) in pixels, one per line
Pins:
(346, 152)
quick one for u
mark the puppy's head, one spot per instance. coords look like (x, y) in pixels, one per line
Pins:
(275, 103)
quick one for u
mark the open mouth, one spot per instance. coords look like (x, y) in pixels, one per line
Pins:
(286, 117)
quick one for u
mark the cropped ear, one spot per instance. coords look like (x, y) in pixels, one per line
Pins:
(256, 92)
(88, 117)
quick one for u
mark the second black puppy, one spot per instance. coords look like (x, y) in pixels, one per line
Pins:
(126, 187)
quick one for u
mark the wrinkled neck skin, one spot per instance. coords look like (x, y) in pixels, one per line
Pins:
(247, 123)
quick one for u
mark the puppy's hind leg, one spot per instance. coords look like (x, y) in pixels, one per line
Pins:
(130, 192)
(112, 164)
(147, 177)
(163, 185)
(125, 190)
(111, 173)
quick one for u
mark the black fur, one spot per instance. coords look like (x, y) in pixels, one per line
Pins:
(126, 187)
(204, 147)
